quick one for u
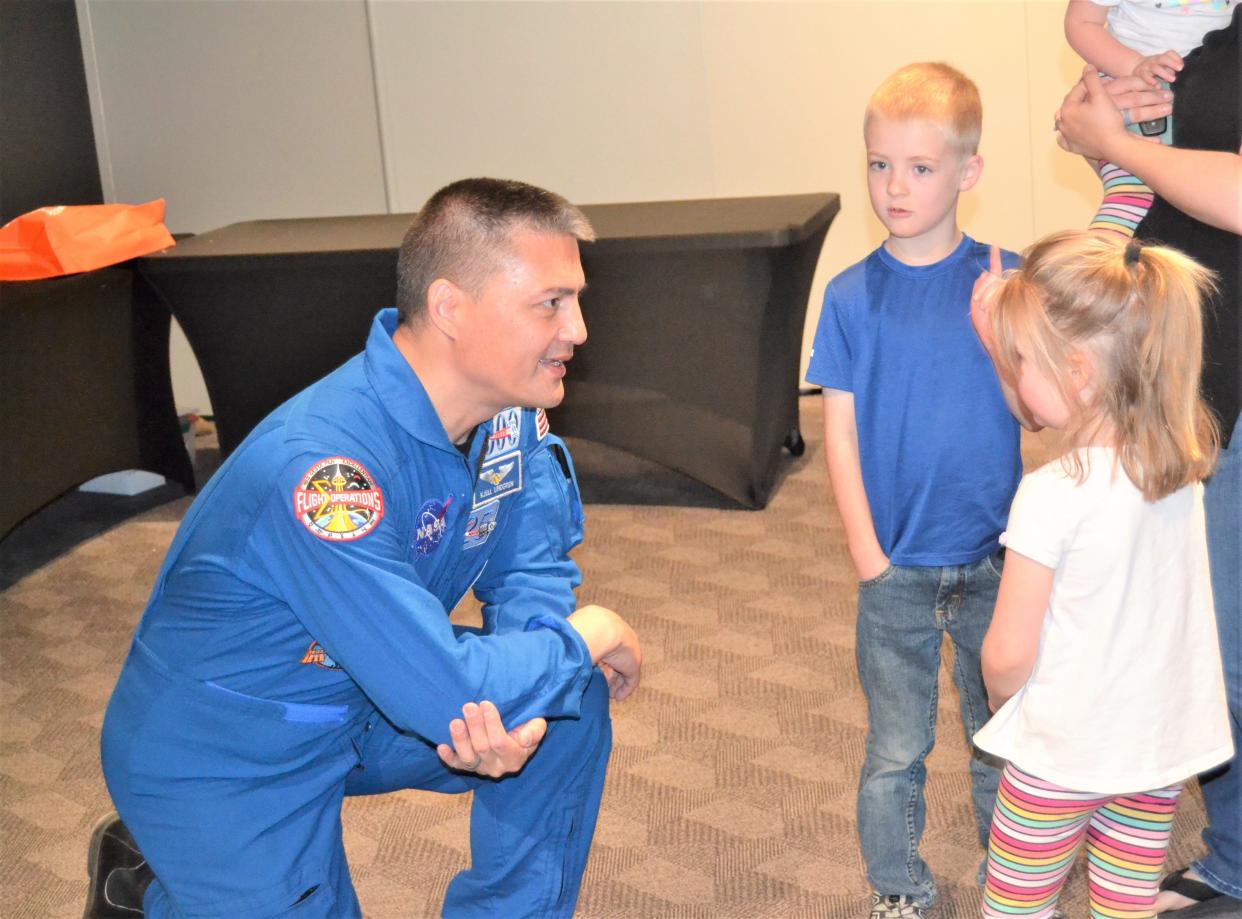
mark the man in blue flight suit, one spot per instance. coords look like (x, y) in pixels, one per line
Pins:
(297, 648)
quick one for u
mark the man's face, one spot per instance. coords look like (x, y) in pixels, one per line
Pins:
(516, 336)
(914, 177)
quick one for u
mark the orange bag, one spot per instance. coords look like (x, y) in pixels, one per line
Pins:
(54, 241)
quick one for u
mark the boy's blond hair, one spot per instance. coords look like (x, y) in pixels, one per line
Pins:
(1135, 311)
(936, 93)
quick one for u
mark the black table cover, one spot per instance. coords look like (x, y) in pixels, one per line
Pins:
(694, 310)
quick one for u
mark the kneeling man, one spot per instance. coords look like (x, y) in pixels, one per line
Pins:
(297, 647)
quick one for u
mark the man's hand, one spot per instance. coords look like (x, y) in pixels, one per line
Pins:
(613, 646)
(983, 301)
(482, 745)
(1158, 67)
(1090, 120)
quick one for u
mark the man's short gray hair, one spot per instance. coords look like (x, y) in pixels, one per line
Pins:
(464, 232)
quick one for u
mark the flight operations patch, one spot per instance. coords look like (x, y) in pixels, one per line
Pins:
(338, 500)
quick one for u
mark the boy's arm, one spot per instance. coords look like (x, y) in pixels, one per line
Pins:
(982, 302)
(1086, 29)
(1012, 641)
(845, 475)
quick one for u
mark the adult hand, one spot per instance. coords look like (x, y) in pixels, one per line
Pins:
(983, 301)
(1158, 67)
(482, 745)
(1090, 121)
(614, 647)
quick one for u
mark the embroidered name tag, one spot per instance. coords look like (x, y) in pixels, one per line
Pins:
(497, 478)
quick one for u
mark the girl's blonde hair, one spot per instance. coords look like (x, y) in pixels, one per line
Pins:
(1135, 312)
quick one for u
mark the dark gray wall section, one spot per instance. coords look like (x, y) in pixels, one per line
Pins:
(47, 145)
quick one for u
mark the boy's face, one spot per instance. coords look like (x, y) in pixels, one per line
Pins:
(914, 177)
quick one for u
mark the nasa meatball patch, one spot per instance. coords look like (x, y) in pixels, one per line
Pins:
(338, 500)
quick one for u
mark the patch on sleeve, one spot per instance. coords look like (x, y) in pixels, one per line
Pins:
(541, 423)
(338, 500)
(506, 432)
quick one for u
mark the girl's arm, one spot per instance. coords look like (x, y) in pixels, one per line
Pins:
(1086, 29)
(1012, 641)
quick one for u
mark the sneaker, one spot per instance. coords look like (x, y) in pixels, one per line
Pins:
(119, 874)
(894, 906)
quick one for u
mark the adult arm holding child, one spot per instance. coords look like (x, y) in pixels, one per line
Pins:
(1204, 184)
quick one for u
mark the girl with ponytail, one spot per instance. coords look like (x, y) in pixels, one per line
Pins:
(1102, 661)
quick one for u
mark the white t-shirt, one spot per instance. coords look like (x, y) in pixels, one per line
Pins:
(1155, 26)
(1127, 693)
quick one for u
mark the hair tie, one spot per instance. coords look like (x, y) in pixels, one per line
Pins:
(1133, 248)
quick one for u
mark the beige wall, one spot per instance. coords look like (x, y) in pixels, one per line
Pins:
(244, 109)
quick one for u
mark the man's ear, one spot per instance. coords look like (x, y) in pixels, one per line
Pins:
(444, 304)
(972, 168)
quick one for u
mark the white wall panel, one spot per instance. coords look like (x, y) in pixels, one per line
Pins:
(598, 101)
(239, 109)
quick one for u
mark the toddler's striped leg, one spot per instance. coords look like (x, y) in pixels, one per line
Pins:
(1126, 844)
(1126, 201)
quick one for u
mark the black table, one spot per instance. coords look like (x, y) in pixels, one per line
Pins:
(695, 312)
(84, 387)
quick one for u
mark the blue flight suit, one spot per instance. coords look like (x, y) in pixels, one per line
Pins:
(297, 648)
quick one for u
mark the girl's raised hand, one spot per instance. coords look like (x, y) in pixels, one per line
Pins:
(983, 299)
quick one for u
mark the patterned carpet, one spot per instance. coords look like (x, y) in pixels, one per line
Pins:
(731, 789)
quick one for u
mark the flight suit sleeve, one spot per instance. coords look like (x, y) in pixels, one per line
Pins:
(357, 593)
(530, 574)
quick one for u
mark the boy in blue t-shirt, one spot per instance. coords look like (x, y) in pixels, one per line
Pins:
(922, 450)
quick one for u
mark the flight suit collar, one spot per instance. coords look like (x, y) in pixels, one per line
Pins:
(398, 386)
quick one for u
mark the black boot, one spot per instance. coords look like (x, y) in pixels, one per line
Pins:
(118, 871)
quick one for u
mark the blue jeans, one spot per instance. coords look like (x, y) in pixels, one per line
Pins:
(1222, 787)
(902, 617)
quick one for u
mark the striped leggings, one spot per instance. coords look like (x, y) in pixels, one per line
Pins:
(1037, 828)
(1127, 199)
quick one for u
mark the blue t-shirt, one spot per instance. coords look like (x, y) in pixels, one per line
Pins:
(937, 443)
